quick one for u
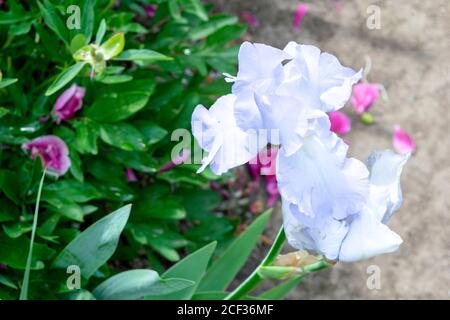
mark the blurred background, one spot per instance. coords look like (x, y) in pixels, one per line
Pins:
(410, 58)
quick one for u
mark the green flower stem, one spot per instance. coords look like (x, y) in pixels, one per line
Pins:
(26, 276)
(254, 279)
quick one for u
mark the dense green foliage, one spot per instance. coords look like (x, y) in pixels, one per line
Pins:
(154, 73)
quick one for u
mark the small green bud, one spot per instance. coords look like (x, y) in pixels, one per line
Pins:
(367, 118)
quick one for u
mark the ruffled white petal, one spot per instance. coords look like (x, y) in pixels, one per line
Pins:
(288, 120)
(385, 192)
(325, 240)
(257, 62)
(318, 78)
(368, 237)
(217, 133)
(320, 183)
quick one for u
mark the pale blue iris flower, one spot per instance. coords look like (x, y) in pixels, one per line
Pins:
(332, 205)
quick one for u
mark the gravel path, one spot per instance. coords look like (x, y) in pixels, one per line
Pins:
(410, 56)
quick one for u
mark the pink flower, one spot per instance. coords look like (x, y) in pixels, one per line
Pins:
(300, 12)
(131, 176)
(272, 190)
(150, 10)
(264, 165)
(69, 102)
(53, 152)
(181, 158)
(250, 19)
(340, 123)
(403, 142)
(338, 5)
(364, 96)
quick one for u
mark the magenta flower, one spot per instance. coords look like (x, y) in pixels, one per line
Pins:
(340, 123)
(264, 165)
(53, 152)
(181, 158)
(131, 176)
(364, 96)
(251, 20)
(69, 102)
(403, 142)
(300, 12)
(150, 10)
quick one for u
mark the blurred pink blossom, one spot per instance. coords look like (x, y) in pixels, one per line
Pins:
(340, 123)
(69, 102)
(300, 12)
(264, 165)
(403, 142)
(131, 176)
(53, 152)
(181, 158)
(251, 20)
(364, 96)
(150, 10)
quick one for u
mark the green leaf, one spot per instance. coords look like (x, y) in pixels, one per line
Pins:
(136, 284)
(191, 268)
(71, 190)
(175, 11)
(113, 46)
(79, 295)
(6, 82)
(142, 55)
(224, 269)
(212, 25)
(119, 78)
(123, 136)
(198, 9)
(87, 133)
(77, 42)
(95, 245)
(87, 19)
(13, 252)
(121, 101)
(21, 28)
(7, 282)
(65, 77)
(100, 32)
(151, 131)
(158, 235)
(281, 290)
(53, 21)
(167, 208)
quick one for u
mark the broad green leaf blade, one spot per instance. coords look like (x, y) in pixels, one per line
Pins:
(65, 77)
(95, 245)
(87, 19)
(6, 82)
(199, 10)
(225, 268)
(281, 290)
(136, 284)
(7, 282)
(192, 268)
(53, 21)
(123, 136)
(100, 32)
(80, 294)
(121, 101)
(113, 46)
(212, 25)
(142, 55)
(13, 252)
